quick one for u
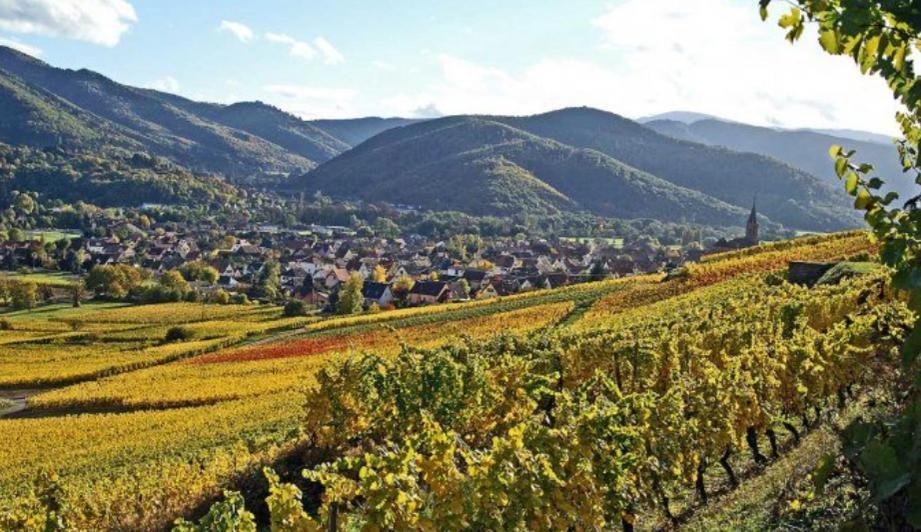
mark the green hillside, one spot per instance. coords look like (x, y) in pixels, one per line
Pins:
(480, 166)
(802, 149)
(156, 123)
(785, 194)
(106, 179)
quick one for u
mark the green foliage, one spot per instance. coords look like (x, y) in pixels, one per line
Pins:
(198, 270)
(43, 510)
(285, 507)
(113, 281)
(295, 307)
(351, 300)
(268, 286)
(881, 37)
(109, 178)
(23, 295)
(178, 334)
(229, 515)
(846, 270)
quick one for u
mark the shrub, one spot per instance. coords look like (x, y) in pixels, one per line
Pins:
(178, 334)
(6, 325)
(220, 296)
(295, 307)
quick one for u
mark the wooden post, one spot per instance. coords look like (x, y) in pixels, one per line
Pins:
(333, 517)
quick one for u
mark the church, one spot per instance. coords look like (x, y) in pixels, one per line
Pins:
(750, 239)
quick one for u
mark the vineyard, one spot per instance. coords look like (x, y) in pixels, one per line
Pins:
(593, 405)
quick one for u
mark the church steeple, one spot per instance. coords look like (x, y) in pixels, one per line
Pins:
(751, 228)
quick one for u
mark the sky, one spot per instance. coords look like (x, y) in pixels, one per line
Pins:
(415, 58)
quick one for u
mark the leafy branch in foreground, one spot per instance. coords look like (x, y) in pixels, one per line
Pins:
(881, 37)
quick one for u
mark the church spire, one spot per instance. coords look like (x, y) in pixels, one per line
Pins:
(751, 228)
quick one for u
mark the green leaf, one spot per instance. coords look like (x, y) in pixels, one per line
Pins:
(855, 438)
(834, 151)
(850, 183)
(829, 41)
(912, 347)
(864, 199)
(840, 166)
(822, 471)
(875, 183)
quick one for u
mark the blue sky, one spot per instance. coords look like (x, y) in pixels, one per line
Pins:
(415, 58)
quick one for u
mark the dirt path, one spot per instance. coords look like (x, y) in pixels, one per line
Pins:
(18, 398)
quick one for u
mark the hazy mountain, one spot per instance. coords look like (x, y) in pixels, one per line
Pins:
(685, 117)
(785, 194)
(803, 149)
(855, 134)
(354, 131)
(481, 166)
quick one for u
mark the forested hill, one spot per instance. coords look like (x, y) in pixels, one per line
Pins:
(804, 149)
(785, 194)
(44, 106)
(590, 160)
(576, 159)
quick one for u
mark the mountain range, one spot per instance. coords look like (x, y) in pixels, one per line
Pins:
(806, 149)
(696, 169)
(48, 106)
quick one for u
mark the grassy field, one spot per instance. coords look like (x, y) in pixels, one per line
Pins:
(56, 279)
(51, 236)
(142, 431)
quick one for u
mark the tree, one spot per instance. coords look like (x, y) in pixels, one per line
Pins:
(386, 228)
(198, 270)
(173, 282)
(882, 36)
(464, 287)
(269, 283)
(115, 281)
(25, 203)
(350, 295)
(401, 287)
(379, 275)
(23, 295)
(220, 296)
(78, 291)
(294, 307)
(17, 235)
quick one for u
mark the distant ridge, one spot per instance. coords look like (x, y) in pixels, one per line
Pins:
(48, 106)
(574, 159)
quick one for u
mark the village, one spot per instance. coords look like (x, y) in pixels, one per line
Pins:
(312, 263)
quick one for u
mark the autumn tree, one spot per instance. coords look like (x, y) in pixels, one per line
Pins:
(350, 295)
(379, 275)
(23, 295)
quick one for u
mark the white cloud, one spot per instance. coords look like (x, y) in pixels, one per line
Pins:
(717, 56)
(313, 102)
(468, 87)
(331, 55)
(710, 56)
(165, 84)
(384, 65)
(239, 30)
(21, 46)
(96, 21)
(296, 48)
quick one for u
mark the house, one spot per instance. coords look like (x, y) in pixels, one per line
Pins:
(428, 292)
(336, 276)
(475, 278)
(376, 293)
